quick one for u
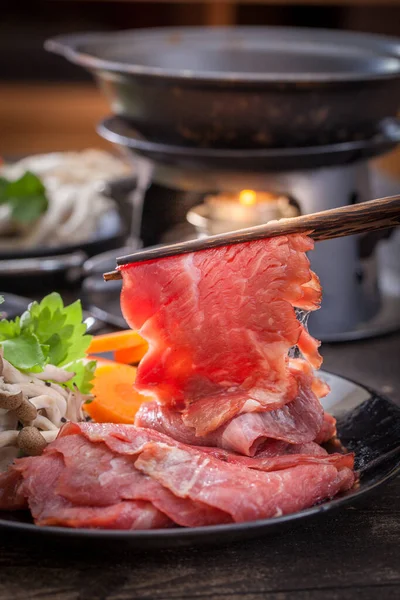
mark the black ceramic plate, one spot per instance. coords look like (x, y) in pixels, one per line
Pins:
(368, 424)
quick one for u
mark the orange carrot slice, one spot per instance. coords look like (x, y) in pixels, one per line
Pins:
(130, 356)
(115, 400)
(109, 342)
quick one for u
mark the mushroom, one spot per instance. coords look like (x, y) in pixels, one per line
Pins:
(40, 405)
(31, 441)
(32, 390)
(54, 374)
(8, 420)
(8, 438)
(59, 389)
(26, 412)
(12, 375)
(42, 422)
(75, 401)
(49, 405)
(10, 396)
(50, 435)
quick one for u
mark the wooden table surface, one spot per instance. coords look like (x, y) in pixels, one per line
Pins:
(353, 554)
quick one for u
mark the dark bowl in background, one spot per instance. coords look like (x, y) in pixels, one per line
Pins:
(43, 269)
(243, 87)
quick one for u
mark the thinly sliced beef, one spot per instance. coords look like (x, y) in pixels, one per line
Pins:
(285, 461)
(41, 477)
(328, 429)
(96, 476)
(12, 496)
(220, 324)
(125, 515)
(156, 417)
(246, 494)
(125, 477)
(278, 448)
(298, 422)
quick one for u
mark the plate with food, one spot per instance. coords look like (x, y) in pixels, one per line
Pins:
(225, 428)
(54, 212)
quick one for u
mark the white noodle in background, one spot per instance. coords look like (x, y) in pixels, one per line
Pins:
(72, 181)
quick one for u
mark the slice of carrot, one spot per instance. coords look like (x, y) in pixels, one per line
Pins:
(109, 342)
(115, 400)
(130, 356)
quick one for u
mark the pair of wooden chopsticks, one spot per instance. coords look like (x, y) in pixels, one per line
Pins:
(326, 225)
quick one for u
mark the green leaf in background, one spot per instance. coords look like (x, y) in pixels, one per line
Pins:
(26, 197)
(3, 185)
(28, 210)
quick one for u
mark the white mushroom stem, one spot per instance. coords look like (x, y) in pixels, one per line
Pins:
(44, 423)
(64, 392)
(74, 406)
(32, 390)
(8, 420)
(48, 404)
(8, 438)
(13, 375)
(54, 374)
(50, 435)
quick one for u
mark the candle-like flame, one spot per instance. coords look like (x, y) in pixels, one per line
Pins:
(248, 197)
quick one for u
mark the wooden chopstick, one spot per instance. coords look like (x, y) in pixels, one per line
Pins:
(326, 225)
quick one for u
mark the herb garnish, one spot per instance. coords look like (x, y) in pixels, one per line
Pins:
(26, 197)
(49, 333)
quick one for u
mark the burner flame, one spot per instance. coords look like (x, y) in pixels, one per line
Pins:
(248, 197)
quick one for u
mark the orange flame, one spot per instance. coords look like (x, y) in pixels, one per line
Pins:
(248, 197)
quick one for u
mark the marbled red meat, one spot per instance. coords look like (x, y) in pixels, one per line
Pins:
(278, 448)
(219, 324)
(297, 422)
(39, 479)
(328, 429)
(131, 441)
(11, 494)
(124, 477)
(36, 481)
(282, 461)
(245, 494)
(95, 475)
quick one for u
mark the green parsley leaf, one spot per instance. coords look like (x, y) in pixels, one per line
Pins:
(24, 350)
(9, 329)
(49, 332)
(26, 197)
(84, 373)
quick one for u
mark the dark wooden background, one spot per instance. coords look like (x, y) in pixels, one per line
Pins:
(353, 554)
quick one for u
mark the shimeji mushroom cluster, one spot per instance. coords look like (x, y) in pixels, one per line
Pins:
(33, 407)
